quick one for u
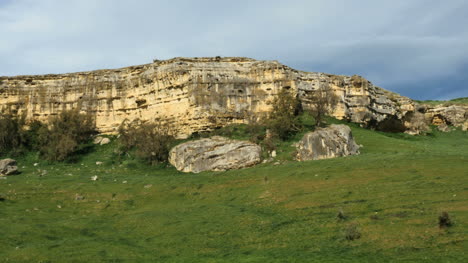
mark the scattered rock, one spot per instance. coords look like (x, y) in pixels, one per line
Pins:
(94, 178)
(324, 143)
(98, 163)
(148, 186)
(214, 154)
(36, 164)
(273, 154)
(8, 167)
(79, 197)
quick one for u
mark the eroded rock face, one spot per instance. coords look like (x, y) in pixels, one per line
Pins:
(214, 154)
(193, 94)
(455, 115)
(324, 143)
(8, 167)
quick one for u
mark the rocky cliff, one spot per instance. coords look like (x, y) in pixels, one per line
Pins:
(195, 94)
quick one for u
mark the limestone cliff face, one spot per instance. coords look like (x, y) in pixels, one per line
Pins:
(195, 94)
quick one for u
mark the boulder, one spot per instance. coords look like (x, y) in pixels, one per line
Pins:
(8, 167)
(324, 143)
(214, 154)
(101, 140)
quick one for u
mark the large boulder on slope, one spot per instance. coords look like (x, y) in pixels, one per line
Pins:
(214, 154)
(324, 143)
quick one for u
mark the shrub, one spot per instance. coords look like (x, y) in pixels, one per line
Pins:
(341, 215)
(66, 134)
(150, 141)
(352, 232)
(283, 120)
(444, 220)
(11, 131)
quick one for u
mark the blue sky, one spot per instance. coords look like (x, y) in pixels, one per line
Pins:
(418, 48)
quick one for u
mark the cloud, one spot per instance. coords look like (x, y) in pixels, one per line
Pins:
(396, 44)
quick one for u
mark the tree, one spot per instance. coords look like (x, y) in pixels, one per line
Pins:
(321, 101)
(283, 120)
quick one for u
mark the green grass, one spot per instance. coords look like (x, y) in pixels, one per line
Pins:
(458, 101)
(394, 191)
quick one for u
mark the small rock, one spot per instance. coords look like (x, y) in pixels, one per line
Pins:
(8, 167)
(98, 140)
(36, 164)
(124, 182)
(79, 197)
(148, 186)
(104, 141)
(443, 128)
(98, 163)
(59, 206)
(276, 163)
(94, 178)
(273, 153)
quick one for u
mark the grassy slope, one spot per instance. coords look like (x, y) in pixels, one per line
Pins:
(458, 101)
(394, 190)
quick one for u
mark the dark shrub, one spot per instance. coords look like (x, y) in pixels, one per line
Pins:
(444, 220)
(66, 134)
(352, 232)
(283, 120)
(341, 215)
(150, 141)
(11, 131)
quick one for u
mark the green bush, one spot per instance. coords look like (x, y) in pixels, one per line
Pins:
(67, 134)
(150, 141)
(11, 131)
(283, 120)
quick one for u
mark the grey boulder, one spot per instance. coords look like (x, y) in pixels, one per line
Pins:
(324, 143)
(8, 167)
(214, 154)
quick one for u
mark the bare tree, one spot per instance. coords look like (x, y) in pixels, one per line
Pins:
(321, 101)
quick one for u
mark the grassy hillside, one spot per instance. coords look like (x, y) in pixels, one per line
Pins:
(394, 192)
(458, 101)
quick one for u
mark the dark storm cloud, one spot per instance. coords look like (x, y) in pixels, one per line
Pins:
(417, 48)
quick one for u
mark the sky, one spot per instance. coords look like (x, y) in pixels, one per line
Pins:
(418, 48)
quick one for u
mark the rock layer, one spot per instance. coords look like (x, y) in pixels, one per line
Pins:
(214, 154)
(324, 143)
(194, 94)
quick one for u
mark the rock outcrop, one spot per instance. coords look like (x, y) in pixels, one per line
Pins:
(214, 154)
(454, 115)
(193, 94)
(324, 143)
(8, 167)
